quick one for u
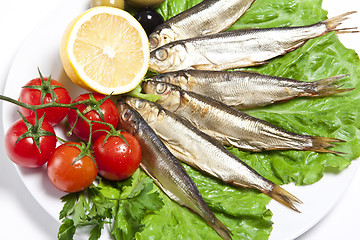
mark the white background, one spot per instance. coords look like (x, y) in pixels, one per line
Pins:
(23, 218)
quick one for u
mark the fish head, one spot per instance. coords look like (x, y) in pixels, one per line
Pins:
(170, 94)
(178, 78)
(168, 57)
(161, 36)
(128, 117)
(148, 110)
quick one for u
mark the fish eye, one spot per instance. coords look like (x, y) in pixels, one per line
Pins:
(161, 88)
(161, 54)
(126, 115)
(140, 104)
(153, 42)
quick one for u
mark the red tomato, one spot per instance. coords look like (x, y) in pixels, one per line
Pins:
(66, 175)
(115, 159)
(33, 97)
(91, 112)
(25, 152)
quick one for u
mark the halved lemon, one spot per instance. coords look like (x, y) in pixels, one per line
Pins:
(105, 50)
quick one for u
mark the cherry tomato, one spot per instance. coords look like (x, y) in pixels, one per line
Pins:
(25, 152)
(117, 160)
(39, 88)
(67, 175)
(92, 112)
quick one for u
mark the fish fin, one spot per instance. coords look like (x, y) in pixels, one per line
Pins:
(319, 144)
(207, 67)
(347, 30)
(329, 86)
(333, 23)
(284, 197)
(260, 63)
(294, 47)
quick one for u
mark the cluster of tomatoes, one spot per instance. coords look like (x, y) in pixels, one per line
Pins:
(71, 166)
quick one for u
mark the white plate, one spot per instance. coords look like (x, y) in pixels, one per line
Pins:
(41, 49)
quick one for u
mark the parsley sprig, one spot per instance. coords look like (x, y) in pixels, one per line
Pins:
(120, 205)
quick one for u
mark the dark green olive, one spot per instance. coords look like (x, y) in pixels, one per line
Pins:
(109, 3)
(149, 19)
(145, 3)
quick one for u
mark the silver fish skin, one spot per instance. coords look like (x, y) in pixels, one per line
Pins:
(207, 17)
(245, 90)
(167, 172)
(200, 151)
(231, 126)
(238, 48)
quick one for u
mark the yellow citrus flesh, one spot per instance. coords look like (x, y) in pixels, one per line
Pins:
(105, 50)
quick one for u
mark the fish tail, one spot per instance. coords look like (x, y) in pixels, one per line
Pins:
(214, 222)
(333, 23)
(221, 229)
(320, 144)
(284, 197)
(330, 86)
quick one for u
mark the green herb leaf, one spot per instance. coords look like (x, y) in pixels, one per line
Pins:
(69, 206)
(81, 207)
(145, 201)
(102, 206)
(95, 232)
(67, 230)
(140, 201)
(122, 205)
(86, 208)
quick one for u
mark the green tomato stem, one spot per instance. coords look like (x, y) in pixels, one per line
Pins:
(56, 104)
(46, 105)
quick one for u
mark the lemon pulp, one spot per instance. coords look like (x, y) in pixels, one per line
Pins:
(105, 50)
